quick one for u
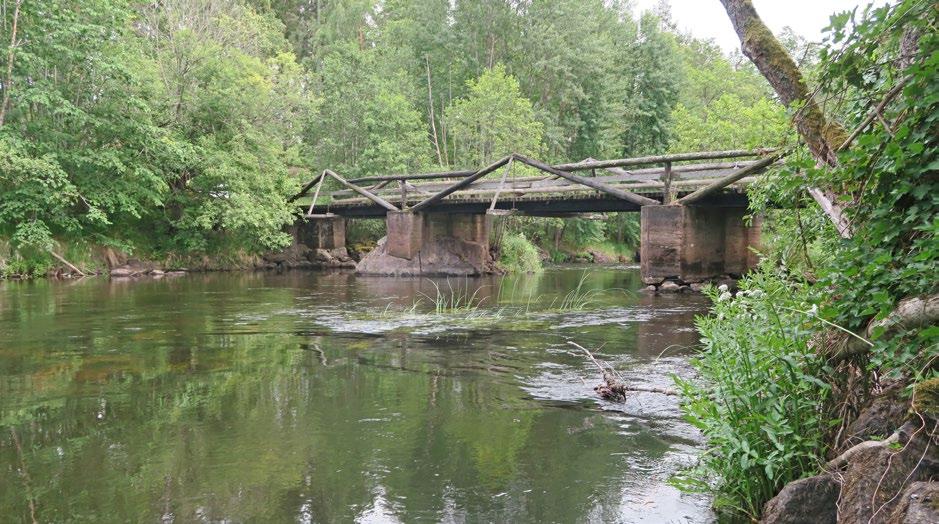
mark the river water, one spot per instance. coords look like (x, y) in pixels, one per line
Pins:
(329, 397)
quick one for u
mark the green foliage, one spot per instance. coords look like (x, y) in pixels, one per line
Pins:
(760, 396)
(493, 120)
(364, 231)
(889, 182)
(364, 124)
(730, 123)
(762, 400)
(650, 62)
(232, 93)
(518, 254)
(178, 137)
(724, 103)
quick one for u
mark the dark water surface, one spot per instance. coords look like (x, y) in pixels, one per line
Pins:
(314, 397)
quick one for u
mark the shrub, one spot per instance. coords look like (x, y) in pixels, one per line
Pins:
(760, 396)
(518, 255)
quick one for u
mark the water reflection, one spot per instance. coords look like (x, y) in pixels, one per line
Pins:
(329, 397)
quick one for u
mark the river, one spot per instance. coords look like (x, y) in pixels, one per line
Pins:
(329, 397)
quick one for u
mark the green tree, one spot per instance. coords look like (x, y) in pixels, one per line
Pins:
(80, 151)
(365, 123)
(231, 94)
(730, 123)
(493, 120)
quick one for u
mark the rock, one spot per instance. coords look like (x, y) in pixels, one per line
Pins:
(156, 272)
(652, 281)
(600, 258)
(811, 500)
(288, 256)
(918, 505)
(697, 287)
(669, 286)
(876, 474)
(879, 418)
(340, 253)
(729, 282)
(926, 398)
(446, 256)
(684, 289)
(124, 272)
(649, 289)
(322, 255)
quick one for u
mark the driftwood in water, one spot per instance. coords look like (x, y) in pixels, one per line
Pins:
(613, 387)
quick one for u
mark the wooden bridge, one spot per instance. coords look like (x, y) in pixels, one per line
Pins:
(687, 201)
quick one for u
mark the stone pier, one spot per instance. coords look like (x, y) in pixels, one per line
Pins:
(453, 244)
(689, 244)
(318, 243)
(322, 233)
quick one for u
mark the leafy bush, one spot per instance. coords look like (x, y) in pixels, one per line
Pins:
(760, 396)
(518, 255)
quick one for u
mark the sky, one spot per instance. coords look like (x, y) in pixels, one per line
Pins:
(707, 18)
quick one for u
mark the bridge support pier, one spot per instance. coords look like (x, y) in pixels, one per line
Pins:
(431, 244)
(322, 233)
(696, 243)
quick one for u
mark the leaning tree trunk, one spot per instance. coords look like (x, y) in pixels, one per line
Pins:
(823, 138)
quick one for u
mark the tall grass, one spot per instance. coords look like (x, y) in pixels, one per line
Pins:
(458, 300)
(577, 299)
(760, 397)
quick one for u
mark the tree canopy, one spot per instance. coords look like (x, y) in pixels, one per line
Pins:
(180, 126)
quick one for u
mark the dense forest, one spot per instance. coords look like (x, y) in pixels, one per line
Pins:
(177, 128)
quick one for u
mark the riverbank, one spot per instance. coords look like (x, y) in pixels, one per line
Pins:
(72, 261)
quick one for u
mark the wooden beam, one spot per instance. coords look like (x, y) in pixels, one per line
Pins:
(589, 182)
(415, 176)
(563, 192)
(303, 191)
(505, 174)
(667, 180)
(721, 183)
(461, 184)
(659, 159)
(316, 194)
(364, 192)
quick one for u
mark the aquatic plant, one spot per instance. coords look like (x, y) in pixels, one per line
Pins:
(458, 300)
(577, 299)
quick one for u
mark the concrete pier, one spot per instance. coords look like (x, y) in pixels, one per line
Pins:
(322, 232)
(695, 244)
(455, 244)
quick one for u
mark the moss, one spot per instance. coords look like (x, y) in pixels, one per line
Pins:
(926, 398)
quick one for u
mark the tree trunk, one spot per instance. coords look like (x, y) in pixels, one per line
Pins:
(8, 81)
(821, 136)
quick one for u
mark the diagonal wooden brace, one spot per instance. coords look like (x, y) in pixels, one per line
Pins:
(461, 184)
(364, 192)
(591, 183)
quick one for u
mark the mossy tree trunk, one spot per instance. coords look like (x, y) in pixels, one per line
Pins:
(823, 138)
